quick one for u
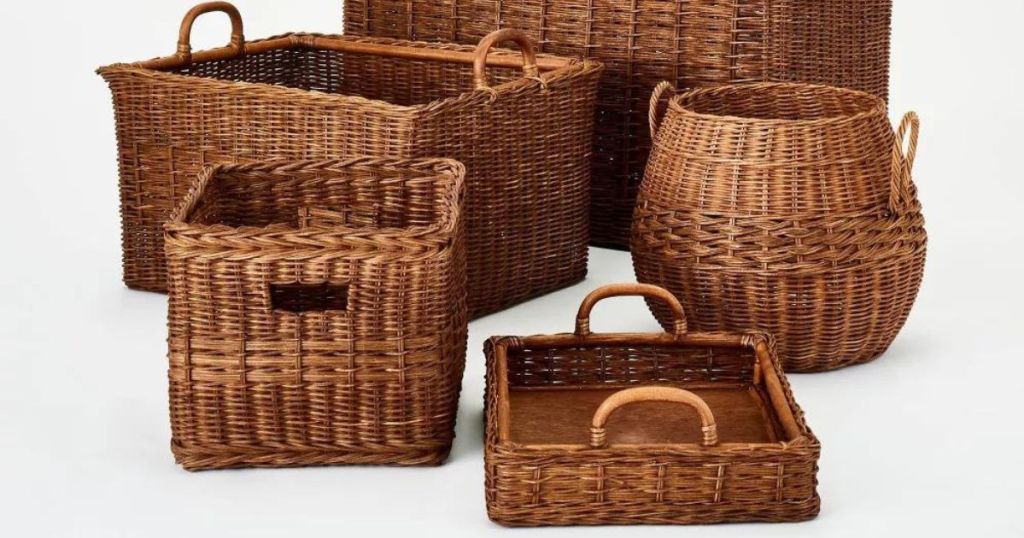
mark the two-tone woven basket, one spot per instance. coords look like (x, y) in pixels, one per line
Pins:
(643, 42)
(788, 208)
(679, 427)
(317, 313)
(522, 125)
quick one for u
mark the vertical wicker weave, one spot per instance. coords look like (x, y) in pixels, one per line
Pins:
(524, 130)
(665, 472)
(317, 314)
(787, 208)
(643, 42)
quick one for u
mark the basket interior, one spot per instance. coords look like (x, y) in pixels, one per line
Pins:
(792, 102)
(353, 197)
(398, 81)
(554, 392)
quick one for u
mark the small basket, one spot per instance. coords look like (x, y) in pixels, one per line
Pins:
(317, 314)
(590, 429)
(523, 128)
(787, 208)
(692, 43)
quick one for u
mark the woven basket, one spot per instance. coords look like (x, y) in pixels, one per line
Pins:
(589, 429)
(643, 42)
(317, 313)
(525, 140)
(788, 208)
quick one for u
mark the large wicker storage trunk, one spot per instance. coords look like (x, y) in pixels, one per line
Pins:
(525, 137)
(589, 429)
(643, 42)
(788, 208)
(317, 314)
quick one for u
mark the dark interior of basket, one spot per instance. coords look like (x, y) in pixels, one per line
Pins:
(554, 393)
(332, 196)
(394, 80)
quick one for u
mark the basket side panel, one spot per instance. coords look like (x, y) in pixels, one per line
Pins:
(527, 156)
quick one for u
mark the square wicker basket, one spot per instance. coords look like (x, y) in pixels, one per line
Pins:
(317, 314)
(553, 457)
(522, 124)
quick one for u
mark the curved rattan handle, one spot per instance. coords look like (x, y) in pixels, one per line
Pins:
(653, 116)
(901, 190)
(623, 290)
(599, 434)
(185, 33)
(500, 36)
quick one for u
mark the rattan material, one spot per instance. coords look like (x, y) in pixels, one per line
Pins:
(525, 137)
(642, 42)
(317, 314)
(787, 208)
(638, 460)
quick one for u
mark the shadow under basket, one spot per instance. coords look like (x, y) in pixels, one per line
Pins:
(317, 314)
(591, 429)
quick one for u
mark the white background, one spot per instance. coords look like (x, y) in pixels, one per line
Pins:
(925, 441)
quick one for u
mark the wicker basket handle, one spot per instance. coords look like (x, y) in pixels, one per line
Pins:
(185, 33)
(508, 34)
(655, 115)
(599, 434)
(900, 192)
(626, 290)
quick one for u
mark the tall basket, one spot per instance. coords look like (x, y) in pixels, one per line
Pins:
(522, 124)
(643, 42)
(787, 208)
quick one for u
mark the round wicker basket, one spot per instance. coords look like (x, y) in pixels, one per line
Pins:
(787, 208)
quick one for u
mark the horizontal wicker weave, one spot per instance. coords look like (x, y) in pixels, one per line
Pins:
(317, 313)
(590, 429)
(787, 208)
(524, 134)
(643, 42)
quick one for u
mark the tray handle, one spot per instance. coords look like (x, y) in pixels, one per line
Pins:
(237, 43)
(655, 115)
(901, 190)
(679, 327)
(599, 434)
(508, 34)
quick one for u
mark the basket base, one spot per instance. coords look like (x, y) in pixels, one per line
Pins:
(199, 459)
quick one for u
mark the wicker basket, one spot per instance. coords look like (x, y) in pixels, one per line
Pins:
(689, 42)
(317, 313)
(788, 208)
(525, 140)
(553, 457)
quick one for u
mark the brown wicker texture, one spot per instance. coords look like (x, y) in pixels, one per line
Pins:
(317, 313)
(787, 208)
(643, 42)
(590, 429)
(525, 137)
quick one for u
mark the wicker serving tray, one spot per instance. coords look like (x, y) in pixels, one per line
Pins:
(587, 429)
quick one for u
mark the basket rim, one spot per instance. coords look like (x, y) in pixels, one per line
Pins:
(158, 68)
(447, 172)
(878, 105)
(760, 343)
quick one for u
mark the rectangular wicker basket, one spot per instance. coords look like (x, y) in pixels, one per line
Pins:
(553, 457)
(317, 313)
(523, 128)
(643, 42)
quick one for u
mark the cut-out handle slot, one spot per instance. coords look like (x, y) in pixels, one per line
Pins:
(300, 298)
